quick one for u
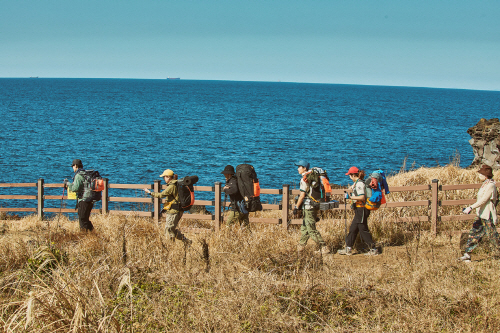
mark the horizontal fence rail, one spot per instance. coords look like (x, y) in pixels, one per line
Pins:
(286, 195)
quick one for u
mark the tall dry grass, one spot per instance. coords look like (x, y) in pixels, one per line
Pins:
(126, 277)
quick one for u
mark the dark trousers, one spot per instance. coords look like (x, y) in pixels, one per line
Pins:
(84, 209)
(360, 225)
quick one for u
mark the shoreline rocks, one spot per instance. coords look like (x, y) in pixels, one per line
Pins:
(485, 143)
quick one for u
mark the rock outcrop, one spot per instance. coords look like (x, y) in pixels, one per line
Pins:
(485, 143)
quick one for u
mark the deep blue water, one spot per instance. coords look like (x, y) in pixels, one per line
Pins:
(131, 130)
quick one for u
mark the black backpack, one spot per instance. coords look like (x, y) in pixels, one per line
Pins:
(93, 184)
(186, 193)
(497, 200)
(313, 180)
(248, 185)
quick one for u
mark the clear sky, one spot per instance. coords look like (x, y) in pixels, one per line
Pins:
(450, 43)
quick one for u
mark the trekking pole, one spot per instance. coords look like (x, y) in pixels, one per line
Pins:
(345, 217)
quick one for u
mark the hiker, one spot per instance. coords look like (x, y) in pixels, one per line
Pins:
(238, 212)
(310, 211)
(171, 207)
(486, 221)
(359, 223)
(84, 207)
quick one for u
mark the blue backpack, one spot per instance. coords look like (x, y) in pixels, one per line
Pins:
(375, 183)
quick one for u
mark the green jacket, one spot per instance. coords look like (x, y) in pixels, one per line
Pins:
(77, 186)
(172, 197)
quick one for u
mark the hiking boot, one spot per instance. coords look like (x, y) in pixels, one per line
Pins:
(345, 251)
(465, 258)
(323, 250)
(372, 252)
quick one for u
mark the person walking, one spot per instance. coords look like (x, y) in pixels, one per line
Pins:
(173, 214)
(310, 212)
(78, 186)
(238, 212)
(485, 225)
(359, 224)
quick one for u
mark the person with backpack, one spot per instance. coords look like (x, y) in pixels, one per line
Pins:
(83, 204)
(308, 201)
(485, 224)
(238, 212)
(173, 212)
(359, 223)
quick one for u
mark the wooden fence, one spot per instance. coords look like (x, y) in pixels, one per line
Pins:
(286, 194)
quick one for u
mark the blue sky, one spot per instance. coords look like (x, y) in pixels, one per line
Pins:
(451, 44)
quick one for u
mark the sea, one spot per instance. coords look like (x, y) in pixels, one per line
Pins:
(130, 130)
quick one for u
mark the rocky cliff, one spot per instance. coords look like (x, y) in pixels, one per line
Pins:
(485, 143)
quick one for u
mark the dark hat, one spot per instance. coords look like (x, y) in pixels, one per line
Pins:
(228, 170)
(77, 162)
(486, 171)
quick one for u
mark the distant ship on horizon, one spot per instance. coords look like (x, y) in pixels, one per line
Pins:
(173, 78)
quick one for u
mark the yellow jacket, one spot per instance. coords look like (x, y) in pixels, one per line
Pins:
(171, 195)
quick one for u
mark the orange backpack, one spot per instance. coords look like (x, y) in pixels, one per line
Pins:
(324, 182)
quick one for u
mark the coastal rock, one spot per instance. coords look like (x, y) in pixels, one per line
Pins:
(485, 143)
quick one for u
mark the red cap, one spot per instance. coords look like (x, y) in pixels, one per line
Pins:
(352, 170)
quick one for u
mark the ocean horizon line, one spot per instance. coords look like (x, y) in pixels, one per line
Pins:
(248, 81)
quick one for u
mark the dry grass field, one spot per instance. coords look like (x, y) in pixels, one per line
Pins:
(126, 277)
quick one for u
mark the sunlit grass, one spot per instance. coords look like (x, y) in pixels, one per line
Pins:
(126, 277)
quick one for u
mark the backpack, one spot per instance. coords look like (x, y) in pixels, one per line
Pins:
(313, 180)
(326, 189)
(186, 193)
(93, 184)
(248, 185)
(374, 195)
(495, 195)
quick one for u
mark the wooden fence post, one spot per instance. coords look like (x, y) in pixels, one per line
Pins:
(40, 198)
(285, 206)
(105, 196)
(157, 201)
(434, 206)
(218, 215)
